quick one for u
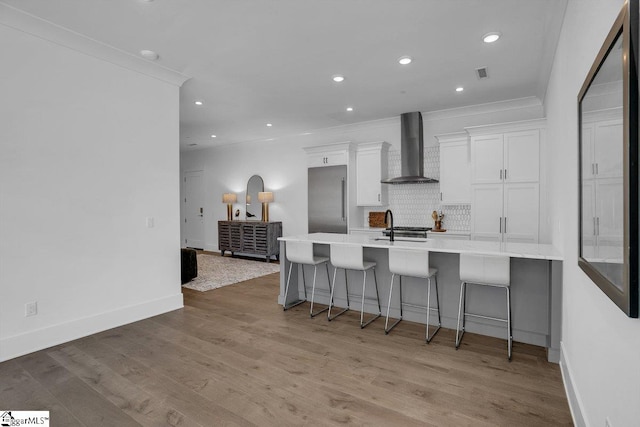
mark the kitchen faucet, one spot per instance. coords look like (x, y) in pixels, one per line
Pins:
(390, 214)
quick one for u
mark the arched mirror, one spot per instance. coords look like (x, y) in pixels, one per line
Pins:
(254, 208)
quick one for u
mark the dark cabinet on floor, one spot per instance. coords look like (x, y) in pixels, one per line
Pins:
(250, 237)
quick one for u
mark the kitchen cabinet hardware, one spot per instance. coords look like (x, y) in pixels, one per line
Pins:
(505, 225)
(500, 174)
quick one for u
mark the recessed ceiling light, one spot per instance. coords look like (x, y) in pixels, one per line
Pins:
(214, 136)
(149, 54)
(459, 89)
(269, 125)
(306, 133)
(349, 108)
(491, 37)
(198, 102)
(404, 60)
(338, 78)
(192, 145)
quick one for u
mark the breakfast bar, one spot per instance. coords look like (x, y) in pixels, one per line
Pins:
(536, 285)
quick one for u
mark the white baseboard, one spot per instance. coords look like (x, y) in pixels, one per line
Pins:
(575, 403)
(19, 345)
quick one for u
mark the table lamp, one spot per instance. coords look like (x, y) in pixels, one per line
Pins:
(229, 199)
(265, 197)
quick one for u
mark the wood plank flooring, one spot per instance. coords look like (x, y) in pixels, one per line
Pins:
(233, 357)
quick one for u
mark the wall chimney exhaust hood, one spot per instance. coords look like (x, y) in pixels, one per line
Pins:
(411, 151)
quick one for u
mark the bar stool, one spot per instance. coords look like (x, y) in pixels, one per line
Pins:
(484, 270)
(302, 253)
(412, 263)
(350, 257)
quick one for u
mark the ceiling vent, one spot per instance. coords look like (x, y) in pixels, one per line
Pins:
(482, 73)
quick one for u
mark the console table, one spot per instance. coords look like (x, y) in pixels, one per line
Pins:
(250, 237)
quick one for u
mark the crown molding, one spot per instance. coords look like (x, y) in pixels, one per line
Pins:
(491, 107)
(507, 127)
(38, 27)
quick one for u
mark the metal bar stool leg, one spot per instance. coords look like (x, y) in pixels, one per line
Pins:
(375, 280)
(304, 282)
(509, 332)
(427, 336)
(286, 307)
(387, 329)
(460, 313)
(333, 288)
(364, 286)
(313, 291)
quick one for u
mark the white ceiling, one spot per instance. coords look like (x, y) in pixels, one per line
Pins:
(254, 62)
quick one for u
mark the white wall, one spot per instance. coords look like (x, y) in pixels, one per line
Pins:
(283, 165)
(600, 345)
(88, 150)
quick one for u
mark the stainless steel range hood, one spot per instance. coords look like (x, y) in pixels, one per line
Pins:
(411, 151)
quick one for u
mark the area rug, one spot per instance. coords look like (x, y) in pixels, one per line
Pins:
(216, 271)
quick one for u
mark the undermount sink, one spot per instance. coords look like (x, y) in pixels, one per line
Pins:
(403, 239)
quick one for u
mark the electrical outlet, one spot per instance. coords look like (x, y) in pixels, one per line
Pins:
(30, 309)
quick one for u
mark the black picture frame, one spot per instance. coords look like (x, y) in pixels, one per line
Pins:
(617, 276)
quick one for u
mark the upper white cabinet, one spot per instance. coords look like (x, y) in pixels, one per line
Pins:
(328, 155)
(371, 168)
(506, 157)
(455, 169)
(505, 181)
(487, 159)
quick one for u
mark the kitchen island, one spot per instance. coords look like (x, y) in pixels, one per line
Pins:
(536, 285)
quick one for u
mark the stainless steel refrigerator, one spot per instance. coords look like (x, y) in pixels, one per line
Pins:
(328, 199)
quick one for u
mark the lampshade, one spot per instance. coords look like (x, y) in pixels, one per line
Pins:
(265, 197)
(229, 198)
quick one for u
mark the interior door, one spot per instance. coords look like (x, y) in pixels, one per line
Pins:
(193, 201)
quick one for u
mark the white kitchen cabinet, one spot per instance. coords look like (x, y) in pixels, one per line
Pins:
(487, 159)
(506, 157)
(371, 168)
(508, 212)
(486, 212)
(520, 212)
(327, 158)
(455, 169)
(505, 181)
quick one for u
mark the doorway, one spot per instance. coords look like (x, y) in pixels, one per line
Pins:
(193, 200)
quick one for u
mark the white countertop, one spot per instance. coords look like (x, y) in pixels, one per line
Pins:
(514, 250)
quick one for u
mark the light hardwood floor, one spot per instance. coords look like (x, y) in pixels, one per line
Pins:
(233, 357)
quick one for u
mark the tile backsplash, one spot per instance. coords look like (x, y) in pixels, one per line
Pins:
(412, 204)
